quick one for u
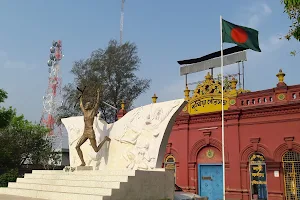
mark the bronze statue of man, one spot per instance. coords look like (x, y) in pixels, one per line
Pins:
(89, 113)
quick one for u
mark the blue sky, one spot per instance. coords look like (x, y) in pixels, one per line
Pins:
(164, 31)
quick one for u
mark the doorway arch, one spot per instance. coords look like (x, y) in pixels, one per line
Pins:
(170, 164)
(210, 173)
(291, 171)
(258, 177)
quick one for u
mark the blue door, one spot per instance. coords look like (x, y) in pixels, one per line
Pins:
(210, 181)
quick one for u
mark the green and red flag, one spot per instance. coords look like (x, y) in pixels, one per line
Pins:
(240, 35)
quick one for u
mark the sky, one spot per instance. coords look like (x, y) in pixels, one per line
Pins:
(164, 32)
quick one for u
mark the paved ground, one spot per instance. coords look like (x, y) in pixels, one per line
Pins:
(9, 197)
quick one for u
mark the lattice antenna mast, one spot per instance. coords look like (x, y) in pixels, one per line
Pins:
(52, 100)
(122, 22)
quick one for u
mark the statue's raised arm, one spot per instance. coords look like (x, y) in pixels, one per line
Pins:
(97, 104)
(81, 104)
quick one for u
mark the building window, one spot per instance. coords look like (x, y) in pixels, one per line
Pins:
(258, 177)
(291, 169)
(170, 164)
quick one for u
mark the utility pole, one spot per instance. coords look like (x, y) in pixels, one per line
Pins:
(122, 21)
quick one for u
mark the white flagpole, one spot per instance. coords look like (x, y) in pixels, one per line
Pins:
(222, 85)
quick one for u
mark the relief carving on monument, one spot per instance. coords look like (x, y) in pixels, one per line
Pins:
(135, 139)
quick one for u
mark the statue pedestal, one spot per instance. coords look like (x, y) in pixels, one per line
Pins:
(83, 168)
(79, 168)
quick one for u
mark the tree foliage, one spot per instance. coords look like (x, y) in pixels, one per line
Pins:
(3, 95)
(10, 176)
(113, 70)
(23, 142)
(292, 8)
(5, 114)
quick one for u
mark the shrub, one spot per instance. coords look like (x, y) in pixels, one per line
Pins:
(9, 176)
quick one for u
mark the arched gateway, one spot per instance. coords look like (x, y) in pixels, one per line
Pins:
(210, 174)
(169, 163)
(291, 169)
(258, 177)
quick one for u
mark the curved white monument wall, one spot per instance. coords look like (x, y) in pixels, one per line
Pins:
(138, 140)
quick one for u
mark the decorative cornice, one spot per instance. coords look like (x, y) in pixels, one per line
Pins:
(243, 113)
(263, 122)
(178, 122)
(260, 93)
(271, 110)
(215, 116)
(180, 128)
(182, 118)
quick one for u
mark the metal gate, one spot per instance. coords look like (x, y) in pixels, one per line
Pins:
(291, 168)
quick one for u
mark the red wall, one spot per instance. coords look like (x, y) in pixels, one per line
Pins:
(270, 128)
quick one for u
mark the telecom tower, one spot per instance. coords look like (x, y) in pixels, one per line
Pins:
(122, 21)
(52, 100)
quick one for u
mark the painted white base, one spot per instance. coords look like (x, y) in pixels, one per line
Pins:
(95, 185)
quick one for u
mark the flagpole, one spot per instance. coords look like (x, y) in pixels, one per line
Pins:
(222, 85)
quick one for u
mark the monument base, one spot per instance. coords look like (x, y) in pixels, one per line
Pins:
(85, 184)
(79, 168)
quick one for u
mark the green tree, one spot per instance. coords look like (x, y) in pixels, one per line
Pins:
(292, 8)
(22, 141)
(5, 114)
(113, 70)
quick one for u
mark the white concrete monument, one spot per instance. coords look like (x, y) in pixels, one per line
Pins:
(138, 139)
(128, 167)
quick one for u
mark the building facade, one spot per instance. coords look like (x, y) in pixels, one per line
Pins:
(262, 142)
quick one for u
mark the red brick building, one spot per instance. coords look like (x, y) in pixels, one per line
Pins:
(262, 142)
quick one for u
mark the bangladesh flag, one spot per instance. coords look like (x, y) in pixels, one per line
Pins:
(240, 35)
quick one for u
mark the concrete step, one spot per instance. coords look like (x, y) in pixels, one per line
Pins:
(49, 195)
(62, 188)
(13, 197)
(108, 184)
(77, 177)
(102, 173)
(144, 185)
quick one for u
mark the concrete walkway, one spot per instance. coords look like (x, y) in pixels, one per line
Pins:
(10, 197)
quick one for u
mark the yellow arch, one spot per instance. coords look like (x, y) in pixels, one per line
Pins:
(168, 157)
